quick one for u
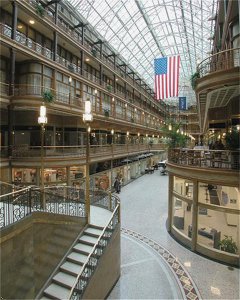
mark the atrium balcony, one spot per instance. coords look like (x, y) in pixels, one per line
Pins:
(217, 82)
(204, 201)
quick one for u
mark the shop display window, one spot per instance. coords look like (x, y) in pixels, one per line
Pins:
(24, 175)
(224, 196)
(183, 187)
(102, 181)
(182, 215)
(77, 173)
(55, 175)
(219, 230)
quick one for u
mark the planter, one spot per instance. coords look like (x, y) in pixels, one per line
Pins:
(109, 88)
(106, 113)
(48, 96)
(193, 79)
(40, 10)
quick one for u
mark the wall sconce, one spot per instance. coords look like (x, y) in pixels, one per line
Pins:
(42, 119)
(87, 116)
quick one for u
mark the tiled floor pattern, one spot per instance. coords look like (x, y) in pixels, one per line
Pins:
(184, 280)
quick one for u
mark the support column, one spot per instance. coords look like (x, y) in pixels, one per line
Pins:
(55, 43)
(83, 34)
(68, 177)
(87, 183)
(101, 50)
(195, 215)
(114, 83)
(56, 13)
(14, 19)
(38, 177)
(100, 73)
(170, 202)
(82, 62)
(10, 130)
(12, 72)
(114, 61)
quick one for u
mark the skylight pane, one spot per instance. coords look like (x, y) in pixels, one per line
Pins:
(141, 30)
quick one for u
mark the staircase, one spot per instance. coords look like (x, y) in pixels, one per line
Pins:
(65, 277)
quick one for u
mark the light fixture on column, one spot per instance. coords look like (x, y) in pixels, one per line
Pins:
(70, 82)
(87, 117)
(42, 121)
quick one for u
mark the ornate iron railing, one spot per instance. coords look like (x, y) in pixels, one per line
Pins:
(92, 261)
(219, 61)
(204, 158)
(16, 205)
(24, 150)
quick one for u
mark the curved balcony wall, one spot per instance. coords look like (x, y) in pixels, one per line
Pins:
(204, 207)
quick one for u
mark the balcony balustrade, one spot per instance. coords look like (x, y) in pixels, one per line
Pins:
(223, 159)
(51, 152)
(77, 38)
(47, 53)
(220, 61)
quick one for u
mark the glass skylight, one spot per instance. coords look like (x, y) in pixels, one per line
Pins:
(141, 30)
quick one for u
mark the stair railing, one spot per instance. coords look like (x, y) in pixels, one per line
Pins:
(16, 205)
(91, 263)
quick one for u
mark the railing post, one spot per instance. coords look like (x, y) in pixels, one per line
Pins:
(110, 199)
(119, 213)
(30, 199)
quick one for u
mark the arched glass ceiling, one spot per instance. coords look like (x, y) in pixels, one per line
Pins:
(141, 30)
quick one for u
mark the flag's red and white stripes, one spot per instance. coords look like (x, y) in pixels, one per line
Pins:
(166, 85)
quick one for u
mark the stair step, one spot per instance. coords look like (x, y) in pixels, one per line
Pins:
(93, 231)
(83, 248)
(45, 298)
(71, 268)
(96, 227)
(55, 291)
(79, 258)
(90, 239)
(64, 279)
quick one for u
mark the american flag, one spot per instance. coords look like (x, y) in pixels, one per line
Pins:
(166, 77)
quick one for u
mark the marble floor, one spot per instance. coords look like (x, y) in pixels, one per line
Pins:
(153, 264)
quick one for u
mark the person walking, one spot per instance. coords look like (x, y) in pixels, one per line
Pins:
(117, 185)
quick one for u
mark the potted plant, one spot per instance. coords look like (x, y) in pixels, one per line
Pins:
(228, 245)
(232, 139)
(109, 87)
(94, 52)
(48, 96)
(174, 139)
(193, 79)
(232, 143)
(70, 67)
(40, 10)
(106, 112)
